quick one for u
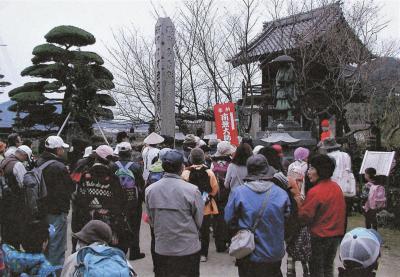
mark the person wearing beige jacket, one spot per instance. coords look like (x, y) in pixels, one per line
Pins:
(208, 188)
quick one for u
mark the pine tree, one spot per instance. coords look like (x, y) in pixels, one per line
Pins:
(77, 76)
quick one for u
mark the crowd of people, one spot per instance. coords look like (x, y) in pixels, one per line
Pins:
(298, 207)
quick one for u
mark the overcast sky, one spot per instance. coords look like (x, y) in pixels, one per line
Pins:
(24, 23)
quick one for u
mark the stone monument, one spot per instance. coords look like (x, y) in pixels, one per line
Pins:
(165, 77)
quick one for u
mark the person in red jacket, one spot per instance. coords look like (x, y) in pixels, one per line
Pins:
(324, 211)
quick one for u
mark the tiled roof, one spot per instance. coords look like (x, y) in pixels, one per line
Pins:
(287, 33)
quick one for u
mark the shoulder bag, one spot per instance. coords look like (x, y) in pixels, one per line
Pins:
(242, 244)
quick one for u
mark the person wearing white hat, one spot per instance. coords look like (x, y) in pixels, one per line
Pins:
(59, 187)
(14, 172)
(150, 152)
(220, 163)
(359, 252)
(134, 191)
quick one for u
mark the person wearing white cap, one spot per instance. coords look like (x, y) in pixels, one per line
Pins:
(59, 187)
(359, 252)
(134, 191)
(150, 152)
(14, 172)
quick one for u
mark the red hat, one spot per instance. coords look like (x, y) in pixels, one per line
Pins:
(325, 123)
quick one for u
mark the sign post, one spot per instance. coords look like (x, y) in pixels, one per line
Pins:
(381, 161)
(225, 123)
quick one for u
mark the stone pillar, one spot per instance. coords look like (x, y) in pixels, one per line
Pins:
(165, 77)
(255, 124)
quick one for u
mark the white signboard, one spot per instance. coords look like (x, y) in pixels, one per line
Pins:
(381, 161)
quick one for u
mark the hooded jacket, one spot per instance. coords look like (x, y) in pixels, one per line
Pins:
(245, 202)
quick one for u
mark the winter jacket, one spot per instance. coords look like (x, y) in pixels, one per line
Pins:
(245, 203)
(58, 183)
(175, 210)
(100, 196)
(13, 197)
(18, 262)
(211, 206)
(324, 210)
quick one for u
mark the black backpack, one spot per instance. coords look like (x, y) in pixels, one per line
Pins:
(199, 177)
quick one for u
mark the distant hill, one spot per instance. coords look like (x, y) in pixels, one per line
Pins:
(6, 116)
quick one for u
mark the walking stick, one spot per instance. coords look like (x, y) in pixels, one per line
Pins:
(63, 125)
(101, 131)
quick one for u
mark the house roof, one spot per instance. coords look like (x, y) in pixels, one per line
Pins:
(286, 33)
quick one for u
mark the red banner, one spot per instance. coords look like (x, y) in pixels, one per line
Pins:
(225, 123)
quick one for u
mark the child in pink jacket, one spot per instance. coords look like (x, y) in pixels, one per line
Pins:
(376, 198)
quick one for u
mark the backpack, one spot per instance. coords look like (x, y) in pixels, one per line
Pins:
(379, 197)
(220, 168)
(102, 260)
(154, 177)
(128, 181)
(35, 191)
(199, 177)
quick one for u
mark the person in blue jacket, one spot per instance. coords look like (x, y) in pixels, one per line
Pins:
(242, 209)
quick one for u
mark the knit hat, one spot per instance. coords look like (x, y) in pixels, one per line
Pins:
(196, 156)
(94, 231)
(258, 168)
(360, 245)
(224, 148)
(301, 153)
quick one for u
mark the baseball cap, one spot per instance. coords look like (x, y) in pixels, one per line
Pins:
(54, 142)
(26, 150)
(103, 151)
(163, 152)
(123, 146)
(172, 157)
(360, 245)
